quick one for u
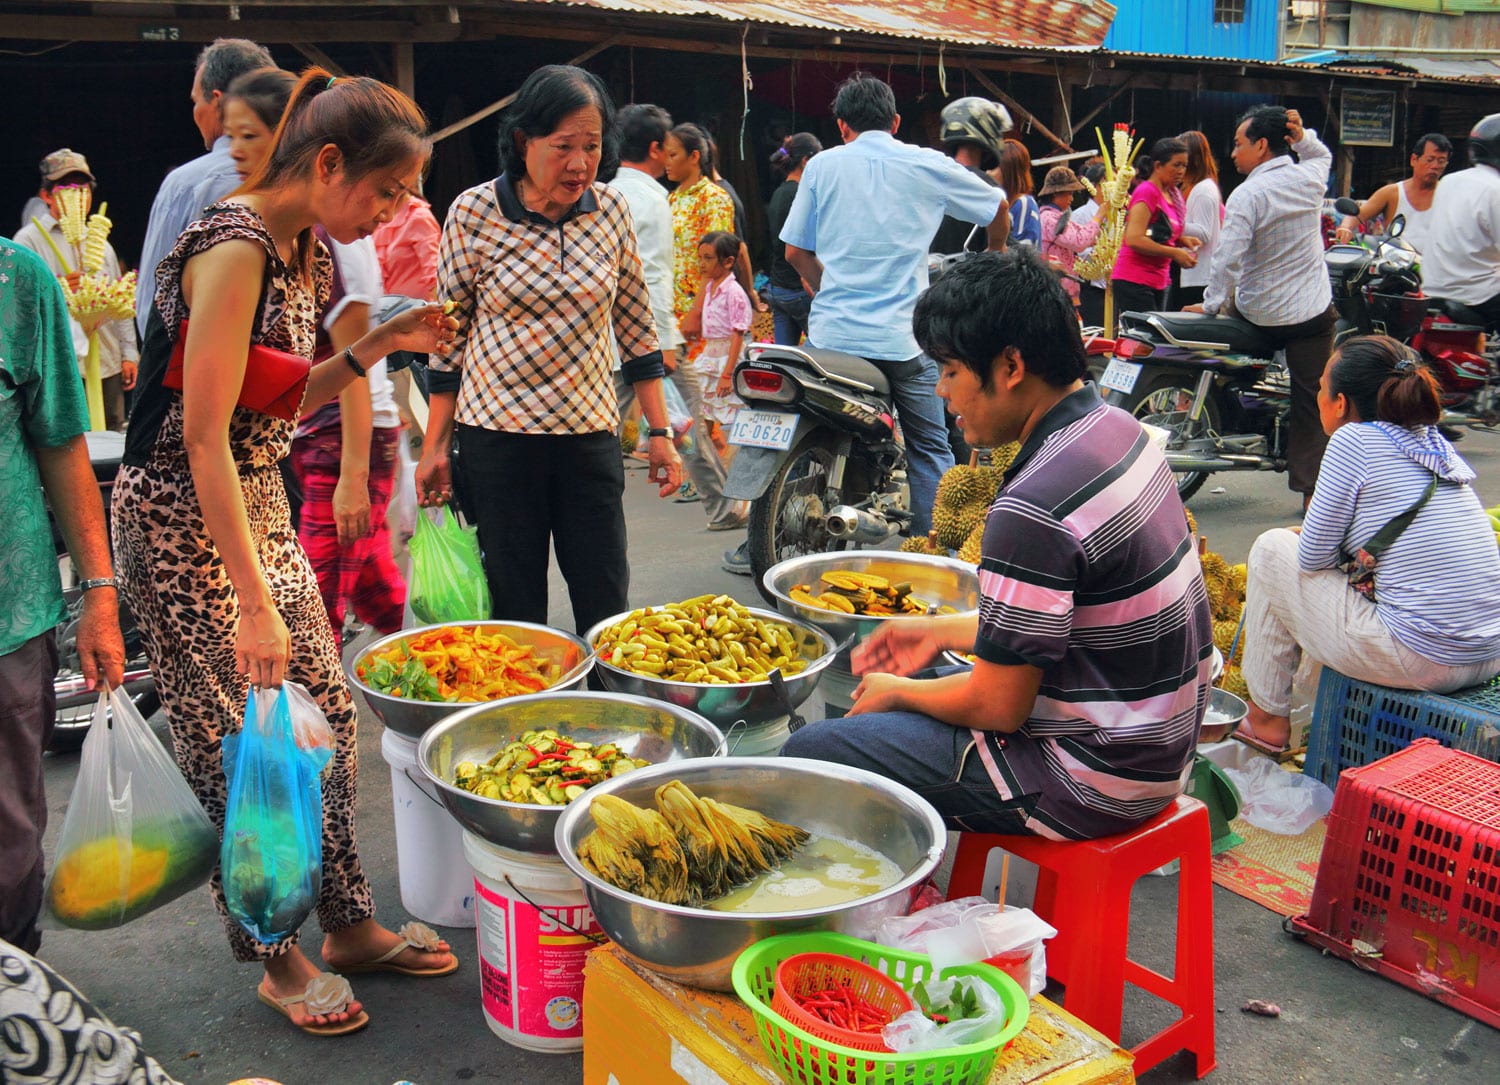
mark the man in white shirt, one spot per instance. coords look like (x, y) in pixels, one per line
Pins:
(1411, 198)
(642, 129)
(1268, 268)
(191, 187)
(1462, 258)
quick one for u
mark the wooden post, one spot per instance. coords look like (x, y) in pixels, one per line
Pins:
(403, 63)
(1021, 112)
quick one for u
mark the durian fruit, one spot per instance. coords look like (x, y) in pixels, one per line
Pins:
(964, 496)
(630, 433)
(1237, 577)
(1191, 521)
(637, 851)
(1224, 634)
(971, 551)
(1216, 583)
(1002, 457)
(1232, 680)
(926, 544)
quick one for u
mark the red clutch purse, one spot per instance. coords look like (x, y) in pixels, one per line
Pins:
(274, 380)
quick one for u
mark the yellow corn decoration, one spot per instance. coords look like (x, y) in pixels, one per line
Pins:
(72, 203)
(96, 240)
(100, 299)
(1113, 194)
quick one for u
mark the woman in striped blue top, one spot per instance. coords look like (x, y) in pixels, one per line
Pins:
(1425, 627)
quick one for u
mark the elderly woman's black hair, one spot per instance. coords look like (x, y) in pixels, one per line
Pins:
(266, 91)
(1162, 152)
(1385, 381)
(549, 94)
(989, 302)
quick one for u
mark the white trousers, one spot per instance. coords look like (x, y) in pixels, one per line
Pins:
(1289, 612)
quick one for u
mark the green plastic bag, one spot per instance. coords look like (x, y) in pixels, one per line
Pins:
(447, 575)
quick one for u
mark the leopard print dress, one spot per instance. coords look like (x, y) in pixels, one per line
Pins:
(186, 607)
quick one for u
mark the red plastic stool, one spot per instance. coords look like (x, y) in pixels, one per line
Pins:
(1083, 890)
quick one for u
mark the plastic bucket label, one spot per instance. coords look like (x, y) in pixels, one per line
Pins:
(531, 964)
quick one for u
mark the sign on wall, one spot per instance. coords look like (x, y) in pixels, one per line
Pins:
(1367, 118)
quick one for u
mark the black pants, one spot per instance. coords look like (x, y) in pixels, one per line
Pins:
(1091, 305)
(1183, 296)
(28, 705)
(1307, 347)
(1490, 310)
(526, 491)
(1136, 298)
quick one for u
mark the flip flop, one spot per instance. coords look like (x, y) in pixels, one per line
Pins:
(323, 988)
(413, 936)
(1243, 734)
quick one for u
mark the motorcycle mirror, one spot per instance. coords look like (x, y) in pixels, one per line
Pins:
(1398, 226)
(1345, 206)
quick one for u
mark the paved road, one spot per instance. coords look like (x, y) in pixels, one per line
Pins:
(170, 976)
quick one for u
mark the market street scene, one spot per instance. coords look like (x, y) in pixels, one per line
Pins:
(633, 542)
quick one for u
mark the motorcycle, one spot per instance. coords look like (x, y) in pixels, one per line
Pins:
(75, 702)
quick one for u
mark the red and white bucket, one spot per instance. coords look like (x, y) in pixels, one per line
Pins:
(535, 933)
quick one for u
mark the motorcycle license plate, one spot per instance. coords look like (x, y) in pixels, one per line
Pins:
(763, 429)
(1121, 375)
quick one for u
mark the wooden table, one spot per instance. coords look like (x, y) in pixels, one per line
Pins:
(642, 1029)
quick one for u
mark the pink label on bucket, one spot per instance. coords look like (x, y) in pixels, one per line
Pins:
(531, 964)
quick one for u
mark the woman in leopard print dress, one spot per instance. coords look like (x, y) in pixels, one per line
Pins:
(222, 591)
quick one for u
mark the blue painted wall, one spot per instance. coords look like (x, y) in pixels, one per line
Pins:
(1186, 28)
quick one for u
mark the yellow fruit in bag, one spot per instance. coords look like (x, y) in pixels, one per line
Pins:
(87, 882)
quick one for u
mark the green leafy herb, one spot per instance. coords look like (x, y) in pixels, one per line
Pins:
(962, 1003)
(411, 679)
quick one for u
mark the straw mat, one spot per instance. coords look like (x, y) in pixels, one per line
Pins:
(1273, 870)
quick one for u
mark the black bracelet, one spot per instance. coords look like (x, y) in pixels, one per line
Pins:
(359, 370)
(658, 433)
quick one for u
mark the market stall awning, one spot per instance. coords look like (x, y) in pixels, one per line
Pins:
(1057, 24)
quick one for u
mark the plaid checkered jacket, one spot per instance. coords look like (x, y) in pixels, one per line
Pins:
(537, 302)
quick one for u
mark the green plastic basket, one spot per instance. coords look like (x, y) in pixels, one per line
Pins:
(804, 1059)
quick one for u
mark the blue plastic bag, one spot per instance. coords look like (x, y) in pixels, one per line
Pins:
(272, 855)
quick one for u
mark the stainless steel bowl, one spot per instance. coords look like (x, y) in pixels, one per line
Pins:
(751, 703)
(698, 947)
(573, 657)
(939, 581)
(641, 728)
(1225, 712)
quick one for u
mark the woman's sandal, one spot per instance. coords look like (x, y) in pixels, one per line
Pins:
(326, 993)
(413, 936)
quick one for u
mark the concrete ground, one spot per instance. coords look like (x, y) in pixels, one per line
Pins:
(170, 976)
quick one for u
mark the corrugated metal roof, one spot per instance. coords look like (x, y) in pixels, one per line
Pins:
(1077, 24)
(1405, 69)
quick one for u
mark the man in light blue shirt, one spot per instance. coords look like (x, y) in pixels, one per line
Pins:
(858, 233)
(191, 187)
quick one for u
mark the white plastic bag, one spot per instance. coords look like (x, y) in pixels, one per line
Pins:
(405, 497)
(1277, 800)
(973, 929)
(915, 1031)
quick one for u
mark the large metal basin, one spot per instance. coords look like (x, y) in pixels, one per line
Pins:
(748, 703)
(698, 947)
(940, 581)
(641, 728)
(573, 657)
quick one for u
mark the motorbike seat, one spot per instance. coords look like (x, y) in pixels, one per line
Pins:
(850, 366)
(1457, 312)
(106, 450)
(1242, 336)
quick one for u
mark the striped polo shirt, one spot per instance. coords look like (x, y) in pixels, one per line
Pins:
(541, 306)
(1089, 574)
(1434, 587)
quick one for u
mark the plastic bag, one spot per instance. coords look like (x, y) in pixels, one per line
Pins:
(973, 929)
(134, 836)
(915, 1031)
(1277, 800)
(678, 416)
(272, 858)
(405, 497)
(447, 574)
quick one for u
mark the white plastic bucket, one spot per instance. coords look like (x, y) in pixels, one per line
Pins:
(838, 687)
(435, 883)
(762, 740)
(534, 925)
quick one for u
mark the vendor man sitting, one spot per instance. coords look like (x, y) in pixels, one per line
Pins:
(1093, 638)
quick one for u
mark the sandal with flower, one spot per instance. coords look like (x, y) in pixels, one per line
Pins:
(326, 993)
(413, 936)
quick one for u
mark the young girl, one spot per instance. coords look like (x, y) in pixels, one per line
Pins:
(726, 319)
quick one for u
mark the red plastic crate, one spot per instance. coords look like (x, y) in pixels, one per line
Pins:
(1409, 883)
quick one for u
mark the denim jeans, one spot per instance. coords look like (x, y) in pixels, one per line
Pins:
(920, 412)
(937, 761)
(789, 309)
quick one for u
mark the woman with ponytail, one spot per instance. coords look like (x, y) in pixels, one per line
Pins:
(787, 293)
(206, 555)
(1390, 578)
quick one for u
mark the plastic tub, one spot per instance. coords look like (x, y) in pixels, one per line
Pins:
(436, 885)
(535, 933)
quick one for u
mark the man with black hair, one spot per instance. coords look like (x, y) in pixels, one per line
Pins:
(1411, 198)
(192, 186)
(1462, 258)
(858, 233)
(1081, 714)
(1268, 266)
(643, 128)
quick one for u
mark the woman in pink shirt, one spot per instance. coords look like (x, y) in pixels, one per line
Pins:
(1153, 233)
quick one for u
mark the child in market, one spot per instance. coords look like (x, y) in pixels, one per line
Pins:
(726, 319)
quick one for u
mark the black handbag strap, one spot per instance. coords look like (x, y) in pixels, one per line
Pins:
(1382, 540)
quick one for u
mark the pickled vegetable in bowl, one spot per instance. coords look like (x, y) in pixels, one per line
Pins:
(709, 640)
(863, 593)
(544, 768)
(458, 664)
